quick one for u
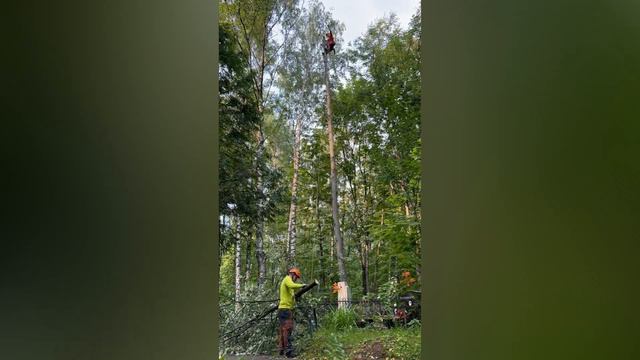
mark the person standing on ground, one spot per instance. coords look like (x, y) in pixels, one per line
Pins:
(285, 311)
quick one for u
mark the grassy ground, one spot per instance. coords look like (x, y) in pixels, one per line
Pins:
(357, 344)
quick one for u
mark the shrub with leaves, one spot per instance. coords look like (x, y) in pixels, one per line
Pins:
(388, 292)
(339, 319)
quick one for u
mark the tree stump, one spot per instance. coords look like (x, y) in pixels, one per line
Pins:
(344, 295)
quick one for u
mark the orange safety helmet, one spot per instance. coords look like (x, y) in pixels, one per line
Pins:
(296, 271)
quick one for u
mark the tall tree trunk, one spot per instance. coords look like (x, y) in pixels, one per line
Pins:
(375, 267)
(260, 255)
(220, 247)
(332, 252)
(365, 272)
(358, 221)
(294, 187)
(322, 260)
(377, 262)
(238, 264)
(364, 264)
(342, 271)
(319, 234)
(247, 264)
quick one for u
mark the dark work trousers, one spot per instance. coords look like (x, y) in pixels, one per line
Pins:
(285, 320)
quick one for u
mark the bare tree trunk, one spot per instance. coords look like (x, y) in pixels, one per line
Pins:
(322, 261)
(358, 224)
(319, 234)
(294, 187)
(220, 227)
(260, 255)
(364, 264)
(238, 264)
(375, 272)
(342, 271)
(365, 274)
(247, 264)
(375, 267)
(260, 258)
(332, 251)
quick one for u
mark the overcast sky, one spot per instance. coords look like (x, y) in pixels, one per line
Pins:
(356, 15)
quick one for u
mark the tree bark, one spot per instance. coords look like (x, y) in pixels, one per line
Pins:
(261, 259)
(294, 187)
(365, 273)
(319, 234)
(238, 264)
(342, 271)
(260, 255)
(247, 264)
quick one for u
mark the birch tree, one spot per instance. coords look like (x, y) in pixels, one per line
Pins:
(259, 25)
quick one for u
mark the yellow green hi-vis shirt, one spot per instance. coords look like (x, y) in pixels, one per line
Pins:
(287, 292)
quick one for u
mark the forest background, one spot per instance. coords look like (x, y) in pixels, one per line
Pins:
(276, 195)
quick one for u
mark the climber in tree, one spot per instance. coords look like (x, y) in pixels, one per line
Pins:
(331, 43)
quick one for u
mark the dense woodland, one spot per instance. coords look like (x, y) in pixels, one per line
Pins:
(280, 137)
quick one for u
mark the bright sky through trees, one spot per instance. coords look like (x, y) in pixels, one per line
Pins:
(358, 14)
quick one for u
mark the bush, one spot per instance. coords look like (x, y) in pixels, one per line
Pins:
(340, 319)
(388, 292)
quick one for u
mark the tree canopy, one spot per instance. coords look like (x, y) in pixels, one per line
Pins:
(274, 153)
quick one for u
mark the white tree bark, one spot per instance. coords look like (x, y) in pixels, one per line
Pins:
(238, 264)
(294, 199)
(260, 255)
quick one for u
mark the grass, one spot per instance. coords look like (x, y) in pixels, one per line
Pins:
(354, 343)
(339, 320)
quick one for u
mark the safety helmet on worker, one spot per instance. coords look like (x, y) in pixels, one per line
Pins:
(296, 271)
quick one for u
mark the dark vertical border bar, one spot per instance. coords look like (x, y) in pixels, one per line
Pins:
(109, 177)
(531, 179)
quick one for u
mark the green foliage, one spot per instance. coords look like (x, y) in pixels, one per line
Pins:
(377, 130)
(258, 338)
(323, 345)
(403, 344)
(397, 343)
(339, 319)
(226, 288)
(239, 121)
(311, 299)
(388, 292)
